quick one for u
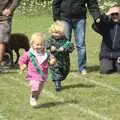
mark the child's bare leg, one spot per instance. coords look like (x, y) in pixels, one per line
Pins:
(34, 94)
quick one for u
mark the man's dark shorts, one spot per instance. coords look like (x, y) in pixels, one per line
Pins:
(109, 66)
(5, 30)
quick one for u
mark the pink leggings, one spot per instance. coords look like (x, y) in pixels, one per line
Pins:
(36, 85)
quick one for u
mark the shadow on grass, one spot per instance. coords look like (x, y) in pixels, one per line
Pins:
(93, 68)
(15, 66)
(9, 69)
(53, 104)
(78, 85)
(74, 70)
(89, 69)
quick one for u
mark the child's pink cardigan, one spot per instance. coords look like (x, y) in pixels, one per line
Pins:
(32, 74)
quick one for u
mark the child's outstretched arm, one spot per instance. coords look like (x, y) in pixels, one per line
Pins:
(23, 61)
(22, 68)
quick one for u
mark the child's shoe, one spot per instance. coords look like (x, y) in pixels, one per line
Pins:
(33, 101)
(58, 86)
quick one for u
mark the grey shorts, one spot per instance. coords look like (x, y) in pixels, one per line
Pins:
(5, 30)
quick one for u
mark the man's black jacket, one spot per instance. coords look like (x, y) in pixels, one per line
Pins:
(74, 9)
(110, 31)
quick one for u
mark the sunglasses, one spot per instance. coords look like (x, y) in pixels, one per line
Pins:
(114, 14)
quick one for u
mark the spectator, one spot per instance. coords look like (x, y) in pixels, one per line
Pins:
(7, 8)
(73, 12)
(109, 29)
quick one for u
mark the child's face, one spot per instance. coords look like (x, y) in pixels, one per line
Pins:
(57, 34)
(38, 46)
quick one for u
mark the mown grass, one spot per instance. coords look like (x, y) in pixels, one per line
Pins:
(90, 97)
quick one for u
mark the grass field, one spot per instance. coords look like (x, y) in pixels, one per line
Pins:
(90, 97)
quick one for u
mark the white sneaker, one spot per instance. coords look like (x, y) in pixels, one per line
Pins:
(33, 101)
(83, 72)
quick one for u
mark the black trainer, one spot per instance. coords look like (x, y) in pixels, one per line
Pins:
(58, 86)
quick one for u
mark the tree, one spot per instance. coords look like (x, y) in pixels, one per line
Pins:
(105, 4)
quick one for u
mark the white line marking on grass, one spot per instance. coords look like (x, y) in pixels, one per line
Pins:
(82, 109)
(16, 79)
(76, 106)
(104, 85)
(51, 95)
(98, 83)
(6, 87)
(90, 112)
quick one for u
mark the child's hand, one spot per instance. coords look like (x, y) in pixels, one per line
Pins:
(22, 67)
(61, 49)
(52, 61)
(53, 48)
(20, 72)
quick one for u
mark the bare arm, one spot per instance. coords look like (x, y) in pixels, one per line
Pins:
(11, 7)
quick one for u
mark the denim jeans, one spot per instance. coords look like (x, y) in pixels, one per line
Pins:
(78, 28)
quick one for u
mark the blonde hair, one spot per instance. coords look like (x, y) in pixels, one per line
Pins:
(57, 27)
(37, 37)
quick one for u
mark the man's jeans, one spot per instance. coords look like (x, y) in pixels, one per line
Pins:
(79, 34)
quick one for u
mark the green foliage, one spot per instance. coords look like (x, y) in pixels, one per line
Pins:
(105, 4)
(33, 6)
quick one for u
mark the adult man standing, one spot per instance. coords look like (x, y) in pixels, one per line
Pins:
(7, 8)
(73, 12)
